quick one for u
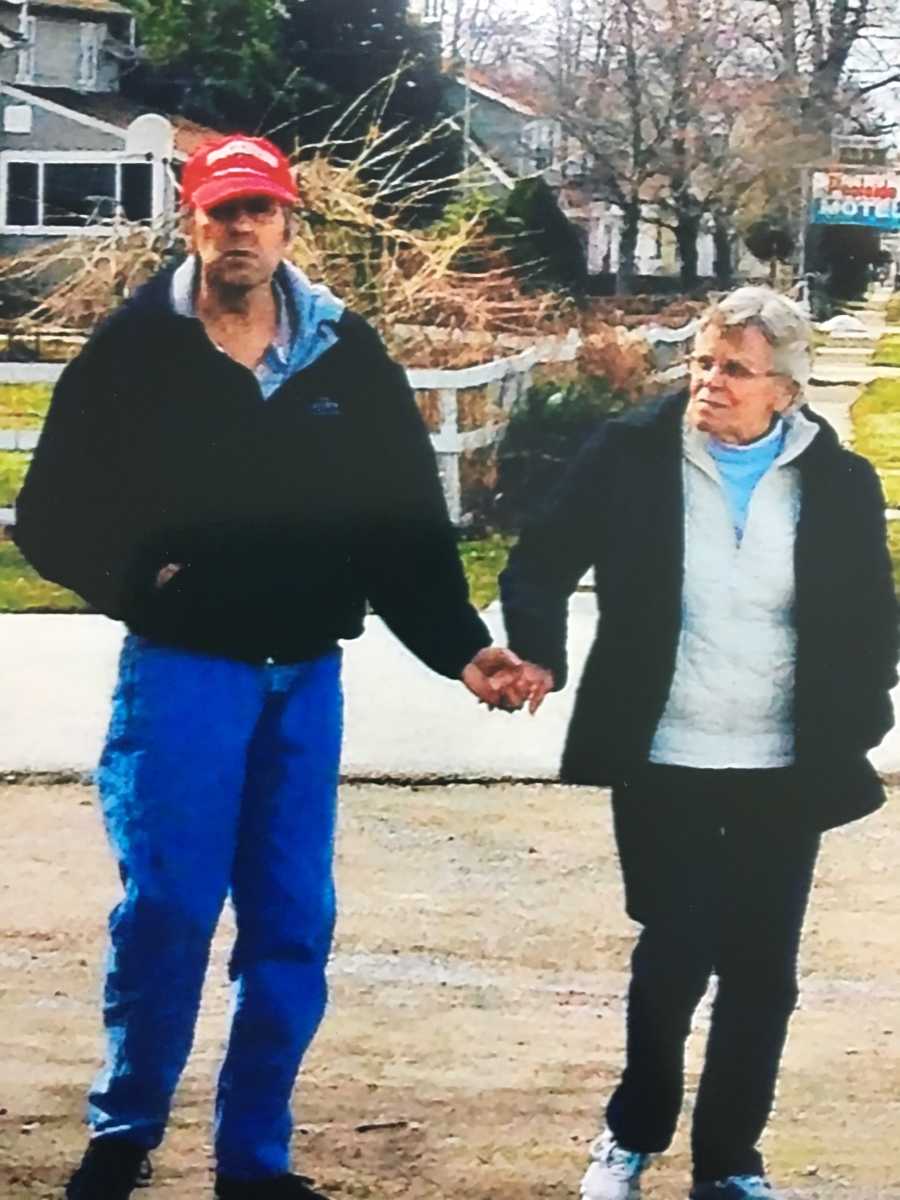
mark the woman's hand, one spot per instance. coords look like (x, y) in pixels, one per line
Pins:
(491, 671)
(532, 684)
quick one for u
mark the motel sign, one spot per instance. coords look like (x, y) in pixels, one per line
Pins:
(848, 198)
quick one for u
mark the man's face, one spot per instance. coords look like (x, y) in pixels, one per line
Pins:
(240, 242)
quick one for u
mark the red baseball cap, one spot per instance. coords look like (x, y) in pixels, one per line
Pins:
(235, 166)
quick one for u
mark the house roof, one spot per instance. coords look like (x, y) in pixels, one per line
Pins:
(478, 89)
(116, 111)
(97, 6)
(494, 171)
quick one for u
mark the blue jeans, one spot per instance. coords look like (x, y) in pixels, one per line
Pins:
(217, 777)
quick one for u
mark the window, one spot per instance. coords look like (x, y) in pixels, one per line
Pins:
(18, 118)
(78, 193)
(136, 191)
(60, 194)
(22, 194)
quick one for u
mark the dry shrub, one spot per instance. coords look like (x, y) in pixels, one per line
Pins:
(633, 311)
(457, 348)
(478, 407)
(429, 403)
(618, 355)
(357, 235)
(560, 373)
(478, 481)
(78, 280)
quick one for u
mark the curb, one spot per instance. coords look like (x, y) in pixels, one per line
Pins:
(398, 779)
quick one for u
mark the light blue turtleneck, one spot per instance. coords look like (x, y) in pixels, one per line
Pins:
(741, 468)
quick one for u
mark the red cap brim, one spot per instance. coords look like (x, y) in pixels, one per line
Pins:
(233, 187)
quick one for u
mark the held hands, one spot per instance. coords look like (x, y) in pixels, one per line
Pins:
(164, 574)
(531, 684)
(501, 679)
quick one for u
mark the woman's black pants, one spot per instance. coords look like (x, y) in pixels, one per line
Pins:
(718, 871)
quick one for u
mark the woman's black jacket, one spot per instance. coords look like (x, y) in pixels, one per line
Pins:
(288, 513)
(620, 511)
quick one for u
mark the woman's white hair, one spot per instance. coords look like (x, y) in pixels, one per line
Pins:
(782, 323)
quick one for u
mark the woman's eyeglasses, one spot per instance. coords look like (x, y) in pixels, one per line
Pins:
(733, 370)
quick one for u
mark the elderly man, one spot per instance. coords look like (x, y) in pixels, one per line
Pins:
(746, 645)
(232, 467)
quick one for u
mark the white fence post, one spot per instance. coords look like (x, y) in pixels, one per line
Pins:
(504, 379)
(449, 452)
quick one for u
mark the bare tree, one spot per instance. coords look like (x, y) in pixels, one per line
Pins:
(691, 111)
(485, 32)
(651, 89)
(825, 46)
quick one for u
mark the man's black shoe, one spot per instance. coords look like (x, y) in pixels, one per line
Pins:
(278, 1187)
(111, 1169)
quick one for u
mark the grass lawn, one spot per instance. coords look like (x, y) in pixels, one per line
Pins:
(894, 544)
(23, 405)
(892, 313)
(887, 351)
(23, 590)
(13, 465)
(483, 560)
(876, 432)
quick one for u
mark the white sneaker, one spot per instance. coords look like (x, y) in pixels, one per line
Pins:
(614, 1172)
(736, 1187)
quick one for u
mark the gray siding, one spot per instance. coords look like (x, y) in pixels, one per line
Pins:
(57, 52)
(495, 127)
(57, 56)
(51, 131)
(9, 59)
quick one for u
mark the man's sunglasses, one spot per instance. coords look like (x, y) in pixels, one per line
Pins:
(258, 208)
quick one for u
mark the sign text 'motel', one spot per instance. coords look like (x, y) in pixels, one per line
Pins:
(841, 198)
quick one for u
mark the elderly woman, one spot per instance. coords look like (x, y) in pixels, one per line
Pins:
(744, 653)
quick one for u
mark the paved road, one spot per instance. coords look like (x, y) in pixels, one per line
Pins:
(833, 402)
(402, 721)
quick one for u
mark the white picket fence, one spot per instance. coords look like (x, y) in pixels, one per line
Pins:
(505, 380)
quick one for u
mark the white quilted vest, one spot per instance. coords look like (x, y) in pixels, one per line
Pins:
(731, 699)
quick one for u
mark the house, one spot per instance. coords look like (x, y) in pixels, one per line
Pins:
(74, 153)
(521, 139)
(426, 12)
(510, 137)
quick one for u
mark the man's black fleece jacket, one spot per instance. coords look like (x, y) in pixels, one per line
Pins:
(287, 513)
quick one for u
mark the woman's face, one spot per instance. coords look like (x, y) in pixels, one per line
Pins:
(734, 393)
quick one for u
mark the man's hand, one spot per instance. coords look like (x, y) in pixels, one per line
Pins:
(490, 672)
(532, 683)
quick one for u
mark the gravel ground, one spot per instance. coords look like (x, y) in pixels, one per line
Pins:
(476, 1018)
